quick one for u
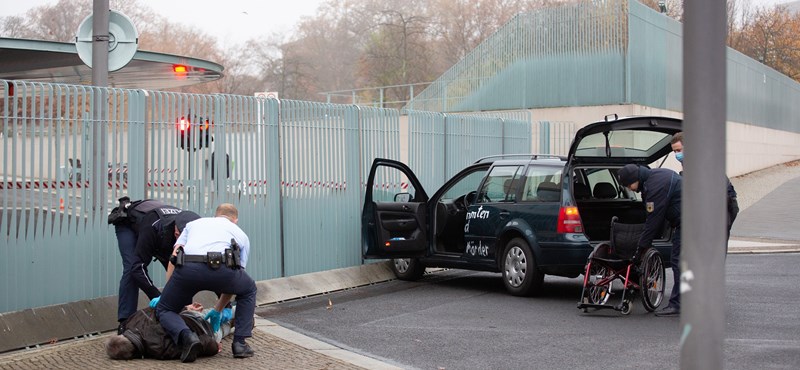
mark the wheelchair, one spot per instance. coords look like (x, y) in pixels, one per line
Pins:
(619, 268)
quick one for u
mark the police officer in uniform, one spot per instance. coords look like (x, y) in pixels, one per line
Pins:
(210, 254)
(146, 230)
(661, 194)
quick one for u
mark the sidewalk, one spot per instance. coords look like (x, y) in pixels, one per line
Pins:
(276, 348)
(767, 200)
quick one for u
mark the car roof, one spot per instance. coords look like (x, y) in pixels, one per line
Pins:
(523, 159)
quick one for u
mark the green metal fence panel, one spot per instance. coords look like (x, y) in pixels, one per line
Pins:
(295, 170)
(591, 53)
(246, 131)
(441, 145)
(49, 225)
(320, 202)
(760, 95)
(426, 143)
(554, 137)
(566, 55)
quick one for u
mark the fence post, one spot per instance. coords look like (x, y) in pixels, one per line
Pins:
(544, 137)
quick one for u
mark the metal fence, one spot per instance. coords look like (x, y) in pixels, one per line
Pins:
(594, 53)
(294, 169)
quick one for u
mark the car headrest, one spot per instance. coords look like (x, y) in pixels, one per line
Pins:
(581, 191)
(604, 190)
(507, 185)
(548, 192)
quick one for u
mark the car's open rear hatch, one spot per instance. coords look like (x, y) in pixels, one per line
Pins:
(640, 140)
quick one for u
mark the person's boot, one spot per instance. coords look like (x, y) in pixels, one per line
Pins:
(190, 346)
(241, 350)
(121, 328)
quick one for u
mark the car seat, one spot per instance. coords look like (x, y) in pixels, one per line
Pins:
(604, 190)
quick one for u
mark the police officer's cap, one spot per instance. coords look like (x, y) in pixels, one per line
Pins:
(628, 174)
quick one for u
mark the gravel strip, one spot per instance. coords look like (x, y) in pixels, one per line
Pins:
(753, 186)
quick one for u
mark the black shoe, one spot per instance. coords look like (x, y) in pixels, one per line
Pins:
(190, 346)
(121, 328)
(668, 311)
(242, 350)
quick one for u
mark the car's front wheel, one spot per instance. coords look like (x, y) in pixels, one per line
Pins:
(521, 276)
(407, 268)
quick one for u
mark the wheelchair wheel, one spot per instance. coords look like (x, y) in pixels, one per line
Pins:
(598, 290)
(626, 308)
(651, 279)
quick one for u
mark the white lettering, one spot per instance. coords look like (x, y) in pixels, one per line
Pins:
(476, 248)
(480, 213)
(171, 211)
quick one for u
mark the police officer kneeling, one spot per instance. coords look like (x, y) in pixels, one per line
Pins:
(210, 254)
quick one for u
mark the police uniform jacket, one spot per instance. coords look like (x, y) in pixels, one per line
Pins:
(154, 224)
(151, 341)
(661, 194)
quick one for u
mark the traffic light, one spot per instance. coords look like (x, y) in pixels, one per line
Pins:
(193, 136)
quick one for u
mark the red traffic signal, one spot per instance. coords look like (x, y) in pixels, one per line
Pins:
(186, 137)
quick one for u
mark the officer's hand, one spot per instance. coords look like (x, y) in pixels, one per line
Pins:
(213, 317)
(227, 315)
(154, 302)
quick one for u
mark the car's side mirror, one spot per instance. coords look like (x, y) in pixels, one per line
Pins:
(402, 197)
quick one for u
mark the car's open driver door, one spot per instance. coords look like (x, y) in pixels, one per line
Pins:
(394, 220)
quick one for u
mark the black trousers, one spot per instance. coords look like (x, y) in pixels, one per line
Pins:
(675, 260)
(194, 277)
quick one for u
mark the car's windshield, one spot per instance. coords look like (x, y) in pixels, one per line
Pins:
(465, 185)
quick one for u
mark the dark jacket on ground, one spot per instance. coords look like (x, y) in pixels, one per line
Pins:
(150, 340)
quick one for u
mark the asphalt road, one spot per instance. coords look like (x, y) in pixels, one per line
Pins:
(464, 320)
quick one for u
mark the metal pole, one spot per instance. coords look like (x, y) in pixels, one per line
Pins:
(704, 196)
(100, 40)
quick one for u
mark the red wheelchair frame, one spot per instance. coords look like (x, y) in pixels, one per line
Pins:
(640, 272)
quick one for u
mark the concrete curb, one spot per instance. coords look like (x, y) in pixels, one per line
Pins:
(761, 246)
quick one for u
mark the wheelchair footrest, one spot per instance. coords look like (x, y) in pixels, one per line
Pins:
(594, 305)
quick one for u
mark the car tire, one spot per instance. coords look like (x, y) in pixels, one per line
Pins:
(521, 276)
(409, 269)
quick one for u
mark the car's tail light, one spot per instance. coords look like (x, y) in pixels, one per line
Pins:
(569, 221)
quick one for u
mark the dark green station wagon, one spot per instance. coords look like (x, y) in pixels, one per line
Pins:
(525, 216)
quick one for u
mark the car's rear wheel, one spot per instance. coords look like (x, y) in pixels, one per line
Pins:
(407, 268)
(521, 276)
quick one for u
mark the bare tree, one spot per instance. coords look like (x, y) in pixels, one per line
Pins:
(771, 38)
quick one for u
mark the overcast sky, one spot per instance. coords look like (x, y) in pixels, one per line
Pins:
(231, 20)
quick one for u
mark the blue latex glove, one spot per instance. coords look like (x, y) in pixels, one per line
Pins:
(154, 302)
(213, 317)
(227, 315)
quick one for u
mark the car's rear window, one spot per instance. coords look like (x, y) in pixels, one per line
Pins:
(622, 144)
